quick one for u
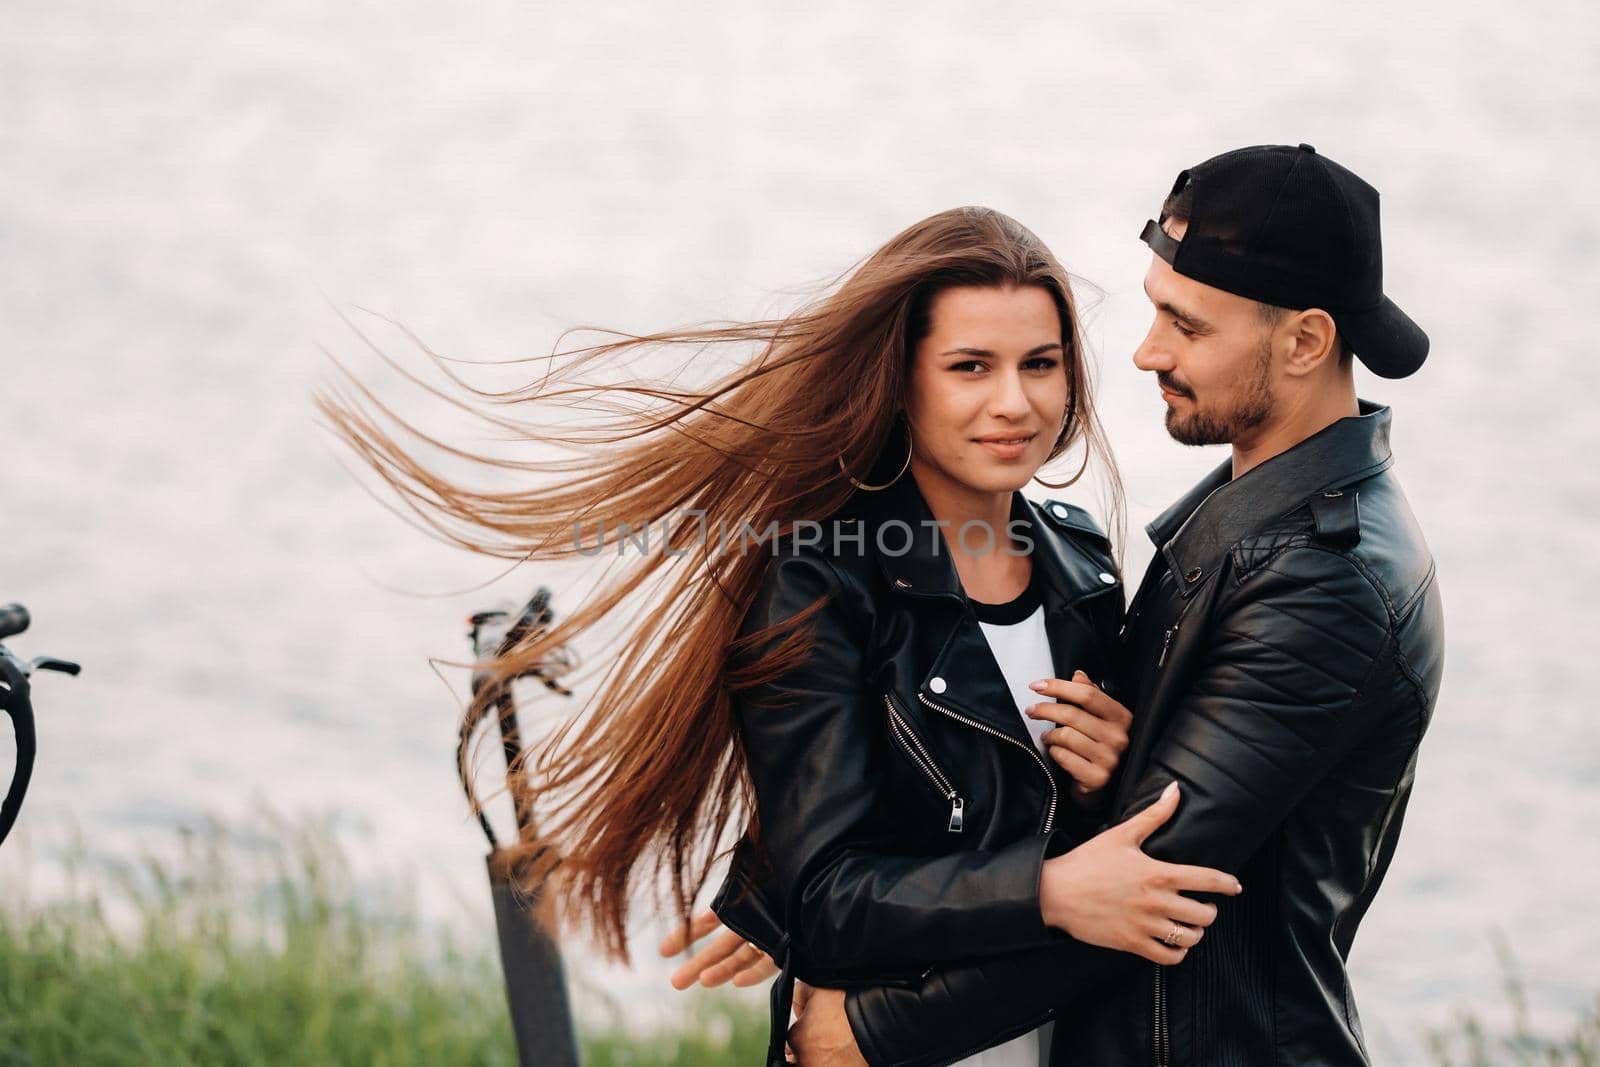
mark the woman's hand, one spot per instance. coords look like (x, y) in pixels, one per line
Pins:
(726, 956)
(1107, 892)
(1091, 733)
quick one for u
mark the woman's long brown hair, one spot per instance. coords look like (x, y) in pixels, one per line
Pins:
(649, 775)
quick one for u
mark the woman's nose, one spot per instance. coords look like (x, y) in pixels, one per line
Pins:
(1009, 398)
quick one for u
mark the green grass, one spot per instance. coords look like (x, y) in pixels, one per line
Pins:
(1471, 1042)
(724, 1034)
(255, 950)
(261, 951)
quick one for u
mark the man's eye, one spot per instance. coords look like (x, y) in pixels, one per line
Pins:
(1181, 328)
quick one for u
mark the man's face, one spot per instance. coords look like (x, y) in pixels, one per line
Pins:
(1211, 354)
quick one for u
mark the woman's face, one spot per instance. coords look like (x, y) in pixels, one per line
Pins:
(988, 388)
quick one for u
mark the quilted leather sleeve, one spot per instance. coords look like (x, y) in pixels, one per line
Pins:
(1285, 693)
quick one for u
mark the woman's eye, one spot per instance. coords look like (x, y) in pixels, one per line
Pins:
(1037, 363)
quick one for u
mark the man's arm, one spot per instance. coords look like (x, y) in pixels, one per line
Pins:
(1294, 683)
(1283, 695)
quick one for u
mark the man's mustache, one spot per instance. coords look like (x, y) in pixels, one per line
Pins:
(1171, 385)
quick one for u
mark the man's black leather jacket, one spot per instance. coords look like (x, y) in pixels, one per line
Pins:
(1290, 702)
(904, 811)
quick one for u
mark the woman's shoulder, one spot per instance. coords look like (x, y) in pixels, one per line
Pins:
(1075, 531)
(801, 568)
(842, 543)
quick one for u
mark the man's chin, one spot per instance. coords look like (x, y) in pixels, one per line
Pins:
(1194, 430)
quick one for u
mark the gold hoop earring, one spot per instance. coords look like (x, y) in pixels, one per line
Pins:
(875, 488)
(1070, 482)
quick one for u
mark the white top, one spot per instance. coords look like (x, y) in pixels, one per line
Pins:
(1023, 652)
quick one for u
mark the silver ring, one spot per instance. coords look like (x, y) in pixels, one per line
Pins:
(1174, 936)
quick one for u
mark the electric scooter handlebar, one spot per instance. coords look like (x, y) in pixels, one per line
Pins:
(13, 620)
(15, 697)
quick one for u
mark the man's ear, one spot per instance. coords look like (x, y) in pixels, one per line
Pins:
(1312, 340)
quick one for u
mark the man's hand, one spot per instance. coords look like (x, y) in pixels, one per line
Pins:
(822, 1037)
(1091, 732)
(726, 956)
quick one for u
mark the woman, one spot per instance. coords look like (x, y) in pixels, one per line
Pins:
(857, 695)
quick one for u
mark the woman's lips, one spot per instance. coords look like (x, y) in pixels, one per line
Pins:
(1009, 447)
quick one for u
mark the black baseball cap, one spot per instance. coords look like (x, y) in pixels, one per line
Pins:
(1287, 226)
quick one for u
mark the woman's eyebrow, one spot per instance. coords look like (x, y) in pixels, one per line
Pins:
(1037, 350)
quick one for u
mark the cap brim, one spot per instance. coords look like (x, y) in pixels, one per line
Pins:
(1385, 339)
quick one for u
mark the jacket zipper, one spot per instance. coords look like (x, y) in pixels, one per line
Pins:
(919, 755)
(1163, 1041)
(1050, 812)
(1166, 643)
(928, 766)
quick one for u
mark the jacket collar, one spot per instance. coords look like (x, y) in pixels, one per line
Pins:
(964, 674)
(1194, 533)
(925, 568)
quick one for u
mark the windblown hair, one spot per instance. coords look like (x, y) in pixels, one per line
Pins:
(649, 776)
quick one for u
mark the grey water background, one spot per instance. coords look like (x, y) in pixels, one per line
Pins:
(185, 188)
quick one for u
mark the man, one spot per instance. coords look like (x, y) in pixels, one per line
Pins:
(1284, 656)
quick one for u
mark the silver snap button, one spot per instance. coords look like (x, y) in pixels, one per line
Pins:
(1060, 510)
(1108, 578)
(902, 583)
(937, 685)
(1193, 575)
(1333, 494)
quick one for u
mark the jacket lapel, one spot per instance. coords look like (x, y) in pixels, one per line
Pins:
(964, 675)
(1163, 693)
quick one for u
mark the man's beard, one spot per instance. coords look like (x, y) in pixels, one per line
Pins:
(1252, 406)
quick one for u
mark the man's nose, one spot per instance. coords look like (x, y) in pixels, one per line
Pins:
(1151, 355)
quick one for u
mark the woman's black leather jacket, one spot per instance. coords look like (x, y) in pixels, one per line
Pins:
(904, 811)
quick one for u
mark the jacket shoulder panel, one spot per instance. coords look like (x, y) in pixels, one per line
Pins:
(1255, 551)
(1252, 553)
(1392, 547)
(1330, 519)
(1073, 520)
(1080, 533)
(798, 574)
(1332, 584)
